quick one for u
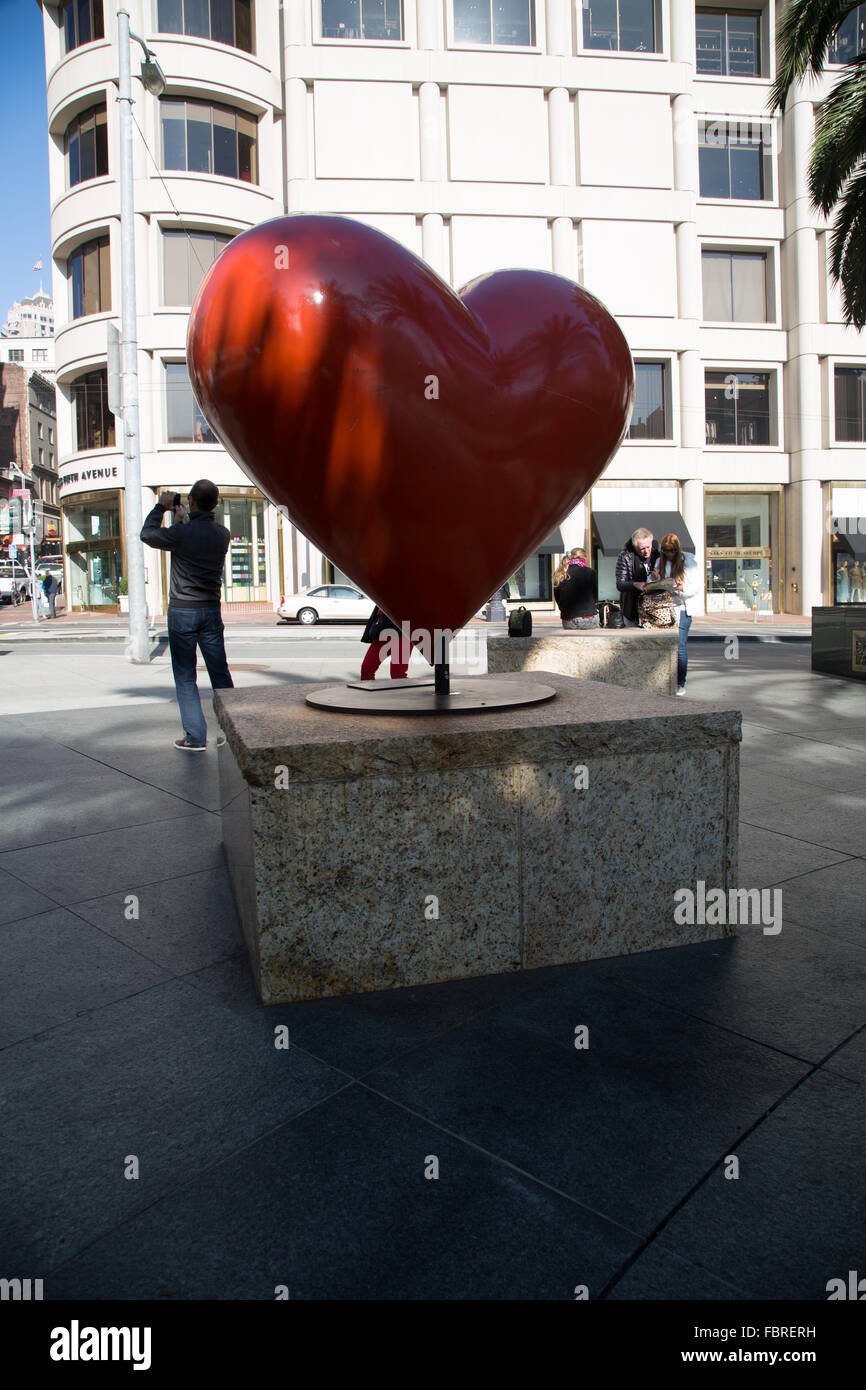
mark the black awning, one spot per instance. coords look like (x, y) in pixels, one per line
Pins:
(855, 540)
(613, 529)
(554, 545)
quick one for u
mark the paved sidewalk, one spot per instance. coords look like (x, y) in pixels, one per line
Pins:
(130, 1029)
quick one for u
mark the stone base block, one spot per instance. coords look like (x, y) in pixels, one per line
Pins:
(638, 658)
(368, 853)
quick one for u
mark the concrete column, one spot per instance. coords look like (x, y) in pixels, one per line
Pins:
(562, 165)
(293, 18)
(430, 33)
(434, 244)
(693, 516)
(810, 531)
(297, 164)
(803, 414)
(565, 252)
(683, 31)
(430, 101)
(574, 529)
(559, 34)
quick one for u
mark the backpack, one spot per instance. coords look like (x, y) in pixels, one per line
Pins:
(520, 623)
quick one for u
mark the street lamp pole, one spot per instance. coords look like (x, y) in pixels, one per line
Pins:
(138, 645)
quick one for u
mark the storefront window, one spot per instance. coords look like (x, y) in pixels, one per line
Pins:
(849, 578)
(532, 581)
(245, 572)
(94, 550)
(741, 531)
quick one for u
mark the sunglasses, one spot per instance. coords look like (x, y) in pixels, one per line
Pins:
(666, 551)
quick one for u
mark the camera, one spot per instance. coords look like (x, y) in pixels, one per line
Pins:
(175, 501)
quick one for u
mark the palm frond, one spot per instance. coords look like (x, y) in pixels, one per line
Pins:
(804, 29)
(848, 249)
(839, 145)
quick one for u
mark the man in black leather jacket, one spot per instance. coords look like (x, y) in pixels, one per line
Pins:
(633, 565)
(198, 550)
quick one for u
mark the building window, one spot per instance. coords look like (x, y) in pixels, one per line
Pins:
(16, 354)
(40, 354)
(185, 423)
(94, 421)
(850, 38)
(82, 22)
(735, 286)
(650, 416)
(41, 458)
(223, 21)
(205, 139)
(87, 145)
(50, 435)
(186, 256)
(850, 398)
(728, 43)
(734, 160)
(628, 26)
(364, 19)
(39, 429)
(495, 22)
(738, 408)
(90, 277)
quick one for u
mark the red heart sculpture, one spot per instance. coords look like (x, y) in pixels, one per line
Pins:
(427, 442)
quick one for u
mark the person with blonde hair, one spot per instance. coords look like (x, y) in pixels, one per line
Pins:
(575, 588)
(682, 567)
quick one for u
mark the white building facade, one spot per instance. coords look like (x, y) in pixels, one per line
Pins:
(625, 144)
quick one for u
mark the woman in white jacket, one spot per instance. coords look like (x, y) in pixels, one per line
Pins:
(682, 567)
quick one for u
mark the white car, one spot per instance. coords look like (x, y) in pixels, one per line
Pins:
(14, 583)
(334, 601)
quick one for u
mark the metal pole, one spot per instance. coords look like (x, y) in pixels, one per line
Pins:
(442, 669)
(138, 645)
(33, 604)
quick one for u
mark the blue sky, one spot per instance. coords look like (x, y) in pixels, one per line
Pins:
(25, 228)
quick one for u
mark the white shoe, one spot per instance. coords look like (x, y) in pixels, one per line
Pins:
(681, 690)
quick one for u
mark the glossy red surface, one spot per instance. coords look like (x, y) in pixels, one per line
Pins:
(427, 442)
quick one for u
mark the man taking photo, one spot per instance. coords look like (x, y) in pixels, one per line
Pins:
(198, 551)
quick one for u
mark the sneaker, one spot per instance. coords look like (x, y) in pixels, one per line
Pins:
(189, 745)
(220, 740)
(681, 690)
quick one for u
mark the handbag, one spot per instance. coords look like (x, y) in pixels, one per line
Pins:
(520, 623)
(609, 614)
(656, 610)
(375, 623)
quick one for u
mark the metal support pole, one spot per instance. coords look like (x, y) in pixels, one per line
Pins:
(138, 645)
(442, 668)
(33, 603)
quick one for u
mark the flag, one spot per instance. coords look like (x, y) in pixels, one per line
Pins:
(38, 265)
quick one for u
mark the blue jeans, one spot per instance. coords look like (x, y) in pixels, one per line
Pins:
(682, 647)
(189, 628)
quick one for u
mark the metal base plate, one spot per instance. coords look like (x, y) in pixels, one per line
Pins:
(468, 694)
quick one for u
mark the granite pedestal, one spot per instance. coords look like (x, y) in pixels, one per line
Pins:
(638, 658)
(368, 852)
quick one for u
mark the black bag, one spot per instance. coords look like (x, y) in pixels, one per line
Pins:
(609, 615)
(520, 623)
(375, 623)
